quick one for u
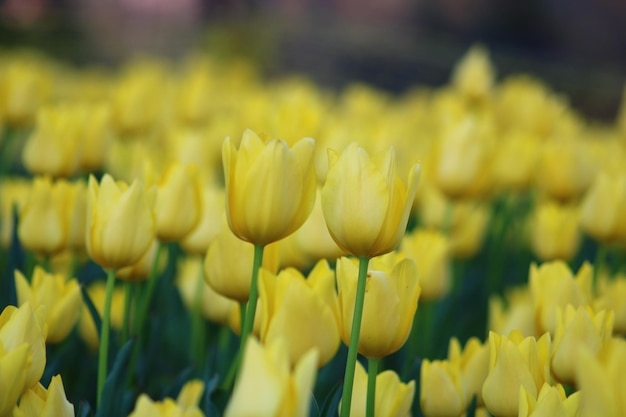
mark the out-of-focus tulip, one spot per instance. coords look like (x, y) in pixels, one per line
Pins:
(86, 326)
(23, 87)
(140, 270)
(429, 248)
(466, 238)
(390, 304)
(120, 222)
(514, 160)
(393, 397)
(555, 231)
(41, 402)
(603, 207)
(186, 405)
(601, 380)
(227, 265)
(365, 204)
(13, 366)
(270, 187)
(54, 147)
(179, 202)
(213, 306)
(577, 329)
(197, 241)
(464, 160)
(442, 393)
(303, 311)
(13, 194)
(474, 366)
(60, 297)
(611, 296)
(563, 170)
(24, 326)
(514, 362)
(552, 285)
(266, 387)
(519, 313)
(96, 136)
(550, 402)
(474, 75)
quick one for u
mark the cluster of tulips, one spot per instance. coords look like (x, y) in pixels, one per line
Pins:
(159, 241)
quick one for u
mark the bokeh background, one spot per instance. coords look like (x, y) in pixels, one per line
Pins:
(578, 47)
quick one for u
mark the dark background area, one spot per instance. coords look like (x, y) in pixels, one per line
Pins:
(578, 47)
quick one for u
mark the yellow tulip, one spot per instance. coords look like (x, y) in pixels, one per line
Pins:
(552, 285)
(179, 202)
(473, 361)
(519, 313)
(266, 387)
(365, 204)
(96, 136)
(393, 397)
(13, 194)
(603, 207)
(442, 392)
(514, 361)
(60, 297)
(120, 222)
(390, 304)
(197, 241)
(550, 402)
(577, 328)
(515, 159)
(303, 311)
(474, 74)
(430, 250)
(23, 88)
(611, 296)
(270, 187)
(41, 402)
(140, 270)
(213, 306)
(601, 380)
(227, 264)
(555, 231)
(13, 366)
(24, 326)
(186, 405)
(466, 238)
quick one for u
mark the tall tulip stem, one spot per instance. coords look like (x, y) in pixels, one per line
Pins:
(197, 322)
(151, 284)
(348, 382)
(104, 335)
(372, 372)
(248, 323)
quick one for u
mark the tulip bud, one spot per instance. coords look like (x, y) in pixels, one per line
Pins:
(50, 402)
(60, 297)
(519, 313)
(474, 366)
(603, 207)
(429, 248)
(199, 239)
(13, 194)
(141, 270)
(120, 222)
(389, 307)
(186, 405)
(555, 232)
(474, 75)
(611, 296)
(442, 393)
(270, 187)
(365, 204)
(303, 311)
(550, 402)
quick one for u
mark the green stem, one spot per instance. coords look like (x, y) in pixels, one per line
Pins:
(420, 338)
(248, 323)
(152, 279)
(104, 335)
(227, 384)
(348, 382)
(372, 372)
(599, 262)
(197, 322)
(128, 298)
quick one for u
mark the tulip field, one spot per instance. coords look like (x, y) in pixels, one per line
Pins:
(195, 238)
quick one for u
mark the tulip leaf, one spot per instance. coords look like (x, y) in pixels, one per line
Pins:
(83, 410)
(315, 408)
(114, 400)
(93, 311)
(331, 402)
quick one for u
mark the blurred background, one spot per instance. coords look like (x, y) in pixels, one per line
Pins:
(577, 46)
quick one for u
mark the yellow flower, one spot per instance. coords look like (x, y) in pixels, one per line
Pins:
(120, 222)
(266, 387)
(519, 313)
(552, 285)
(390, 304)
(24, 326)
(611, 296)
(270, 187)
(601, 380)
(554, 231)
(23, 87)
(96, 136)
(442, 393)
(13, 194)
(41, 402)
(13, 365)
(430, 250)
(60, 297)
(393, 397)
(227, 264)
(474, 366)
(550, 402)
(515, 159)
(179, 202)
(303, 311)
(466, 237)
(603, 207)
(186, 405)
(198, 240)
(474, 75)
(577, 328)
(213, 306)
(140, 270)
(514, 362)
(86, 326)
(365, 204)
